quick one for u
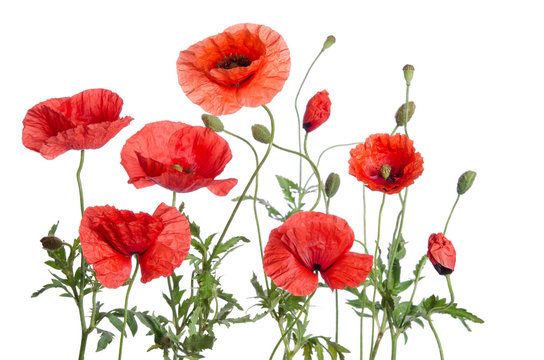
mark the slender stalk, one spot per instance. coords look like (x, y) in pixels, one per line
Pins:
(79, 186)
(379, 338)
(336, 322)
(406, 108)
(394, 338)
(173, 199)
(306, 304)
(175, 319)
(361, 323)
(436, 337)
(418, 277)
(126, 308)
(395, 244)
(272, 132)
(451, 213)
(375, 271)
(394, 130)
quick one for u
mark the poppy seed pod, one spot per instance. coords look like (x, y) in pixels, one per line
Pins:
(400, 115)
(332, 184)
(408, 73)
(261, 133)
(441, 253)
(329, 42)
(51, 243)
(212, 122)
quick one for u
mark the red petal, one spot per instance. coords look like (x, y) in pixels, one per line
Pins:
(222, 187)
(349, 270)
(170, 248)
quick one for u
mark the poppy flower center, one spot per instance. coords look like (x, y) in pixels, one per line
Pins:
(233, 61)
(181, 169)
(316, 267)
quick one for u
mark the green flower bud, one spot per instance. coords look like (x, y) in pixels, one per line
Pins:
(408, 73)
(261, 133)
(400, 115)
(51, 243)
(465, 181)
(332, 184)
(328, 42)
(212, 122)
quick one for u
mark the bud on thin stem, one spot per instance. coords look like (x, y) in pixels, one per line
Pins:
(212, 122)
(51, 243)
(328, 42)
(332, 184)
(261, 133)
(400, 115)
(465, 182)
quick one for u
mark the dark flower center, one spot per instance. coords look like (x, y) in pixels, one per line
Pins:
(316, 267)
(233, 61)
(181, 169)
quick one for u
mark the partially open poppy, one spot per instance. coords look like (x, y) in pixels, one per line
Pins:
(87, 120)
(311, 242)
(109, 237)
(386, 163)
(245, 65)
(177, 156)
(441, 253)
(318, 110)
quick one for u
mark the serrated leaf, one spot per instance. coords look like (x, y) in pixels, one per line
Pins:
(458, 313)
(229, 244)
(199, 342)
(272, 211)
(286, 185)
(106, 338)
(420, 265)
(307, 351)
(258, 288)
(115, 321)
(43, 289)
(319, 351)
(53, 229)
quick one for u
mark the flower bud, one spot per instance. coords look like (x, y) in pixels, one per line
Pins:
(51, 243)
(441, 253)
(261, 133)
(212, 122)
(332, 184)
(328, 42)
(400, 115)
(317, 112)
(465, 181)
(408, 73)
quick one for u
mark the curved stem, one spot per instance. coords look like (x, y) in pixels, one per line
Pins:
(436, 337)
(314, 168)
(79, 186)
(376, 274)
(306, 304)
(272, 132)
(451, 213)
(126, 308)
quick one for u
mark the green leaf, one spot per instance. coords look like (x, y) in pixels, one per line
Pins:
(227, 245)
(462, 314)
(115, 321)
(307, 351)
(199, 342)
(319, 351)
(44, 288)
(286, 186)
(420, 265)
(195, 229)
(106, 338)
(258, 288)
(53, 229)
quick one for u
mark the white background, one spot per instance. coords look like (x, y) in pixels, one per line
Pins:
(478, 87)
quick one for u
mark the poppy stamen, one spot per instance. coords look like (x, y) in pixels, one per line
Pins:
(233, 61)
(181, 169)
(316, 267)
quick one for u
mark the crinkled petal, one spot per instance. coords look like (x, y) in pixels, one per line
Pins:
(170, 248)
(350, 270)
(222, 187)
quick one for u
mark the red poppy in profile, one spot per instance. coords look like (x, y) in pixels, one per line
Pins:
(441, 253)
(109, 237)
(87, 120)
(245, 65)
(177, 156)
(311, 242)
(317, 112)
(386, 163)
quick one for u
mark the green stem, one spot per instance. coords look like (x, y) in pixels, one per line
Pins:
(394, 338)
(451, 213)
(306, 304)
(395, 244)
(375, 271)
(361, 323)
(173, 199)
(418, 277)
(394, 130)
(272, 132)
(175, 319)
(406, 108)
(336, 322)
(436, 337)
(374, 349)
(314, 168)
(79, 186)
(126, 308)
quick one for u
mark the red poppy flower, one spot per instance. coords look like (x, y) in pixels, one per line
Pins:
(109, 237)
(317, 112)
(387, 163)
(309, 242)
(441, 253)
(87, 120)
(179, 157)
(245, 65)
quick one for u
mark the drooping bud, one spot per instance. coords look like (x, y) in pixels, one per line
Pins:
(318, 110)
(385, 171)
(408, 73)
(465, 181)
(328, 42)
(441, 253)
(212, 122)
(51, 243)
(261, 133)
(332, 184)
(400, 115)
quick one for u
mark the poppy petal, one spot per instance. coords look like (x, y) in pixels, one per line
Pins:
(170, 248)
(222, 187)
(350, 270)
(285, 270)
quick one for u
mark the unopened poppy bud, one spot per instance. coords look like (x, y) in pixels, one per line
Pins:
(385, 171)
(441, 253)
(318, 110)
(465, 181)
(212, 122)
(408, 73)
(332, 184)
(400, 115)
(261, 133)
(51, 243)
(328, 42)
